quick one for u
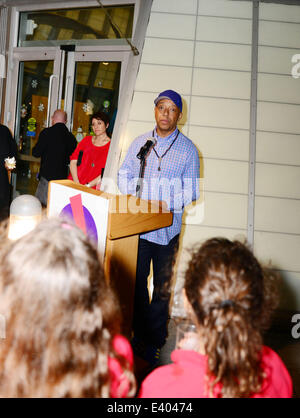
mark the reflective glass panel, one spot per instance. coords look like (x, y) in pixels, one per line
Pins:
(96, 89)
(80, 24)
(31, 118)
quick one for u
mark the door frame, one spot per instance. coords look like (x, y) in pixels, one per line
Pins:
(90, 56)
(58, 56)
(33, 54)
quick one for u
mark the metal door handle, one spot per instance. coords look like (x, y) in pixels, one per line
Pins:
(69, 77)
(52, 76)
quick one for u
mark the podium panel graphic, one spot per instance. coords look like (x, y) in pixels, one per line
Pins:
(89, 212)
(114, 223)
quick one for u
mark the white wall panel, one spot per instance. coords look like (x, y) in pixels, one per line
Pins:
(220, 83)
(142, 107)
(194, 235)
(217, 210)
(278, 148)
(225, 176)
(225, 113)
(279, 34)
(225, 8)
(289, 290)
(168, 52)
(276, 60)
(225, 210)
(134, 129)
(231, 144)
(217, 29)
(278, 117)
(175, 6)
(223, 56)
(278, 88)
(277, 181)
(178, 27)
(277, 215)
(280, 250)
(162, 77)
(279, 12)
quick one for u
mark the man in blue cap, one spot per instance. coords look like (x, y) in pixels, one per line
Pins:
(171, 174)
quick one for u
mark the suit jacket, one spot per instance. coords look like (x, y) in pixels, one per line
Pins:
(8, 148)
(54, 146)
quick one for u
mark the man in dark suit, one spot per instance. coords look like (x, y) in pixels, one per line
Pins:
(54, 146)
(8, 149)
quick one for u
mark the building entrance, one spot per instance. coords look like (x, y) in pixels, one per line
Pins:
(64, 59)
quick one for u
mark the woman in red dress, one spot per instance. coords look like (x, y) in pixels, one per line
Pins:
(88, 160)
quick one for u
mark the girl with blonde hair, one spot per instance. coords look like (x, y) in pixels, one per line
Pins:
(62, 319)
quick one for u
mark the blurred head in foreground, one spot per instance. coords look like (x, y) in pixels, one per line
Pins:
(61, 316)
(231, 300)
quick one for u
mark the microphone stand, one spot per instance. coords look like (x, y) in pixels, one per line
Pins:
(139, 185)
(142, 155)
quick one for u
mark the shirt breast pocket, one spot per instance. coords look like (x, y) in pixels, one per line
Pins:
(176, 164)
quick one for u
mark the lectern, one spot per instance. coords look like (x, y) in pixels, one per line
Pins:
(114, 222)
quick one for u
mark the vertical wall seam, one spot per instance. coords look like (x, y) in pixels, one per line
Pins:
(193, 68)
(3, 29)
(253, 117)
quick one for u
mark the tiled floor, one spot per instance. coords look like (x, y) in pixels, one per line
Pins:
(278, 338)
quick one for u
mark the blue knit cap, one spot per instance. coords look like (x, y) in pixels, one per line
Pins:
(171, 95)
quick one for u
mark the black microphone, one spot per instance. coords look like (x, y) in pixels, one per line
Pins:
(151, 142)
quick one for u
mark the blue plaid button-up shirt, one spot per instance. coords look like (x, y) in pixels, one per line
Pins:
(177, 182)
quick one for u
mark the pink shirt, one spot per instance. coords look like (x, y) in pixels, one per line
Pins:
(185, 378)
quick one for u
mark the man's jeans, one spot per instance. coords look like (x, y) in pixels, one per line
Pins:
(150, 318)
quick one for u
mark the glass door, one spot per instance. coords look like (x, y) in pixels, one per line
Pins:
(35, 86)
(92, 84)
(81, 83)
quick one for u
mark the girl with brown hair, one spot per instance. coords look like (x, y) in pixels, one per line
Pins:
(62, 319)
(230, 300)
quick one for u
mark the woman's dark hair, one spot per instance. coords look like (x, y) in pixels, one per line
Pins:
(101, 116)
(232, 301)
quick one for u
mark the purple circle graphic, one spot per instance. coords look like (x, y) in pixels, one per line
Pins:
(89, 221)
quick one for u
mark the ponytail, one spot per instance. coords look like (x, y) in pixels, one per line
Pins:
(233, 349)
